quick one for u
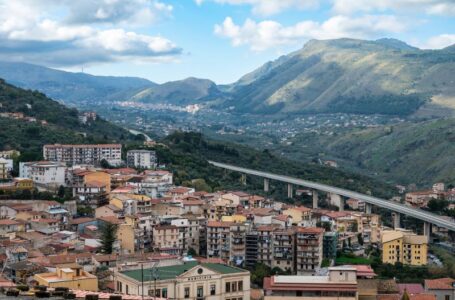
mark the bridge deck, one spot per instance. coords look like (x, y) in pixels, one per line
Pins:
(393, 206)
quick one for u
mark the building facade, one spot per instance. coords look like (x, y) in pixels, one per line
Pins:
(141, 159)
(84, 154)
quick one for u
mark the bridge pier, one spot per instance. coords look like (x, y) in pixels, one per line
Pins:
(427, 230)
(290, 190)
(396, 220)
(368, 208)
(341, 207)
(315, 199)
(243, 179)
(266, 184)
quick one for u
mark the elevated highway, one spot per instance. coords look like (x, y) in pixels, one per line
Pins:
(427, 217)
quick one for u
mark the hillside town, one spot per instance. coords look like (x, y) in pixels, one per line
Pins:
(124, 228)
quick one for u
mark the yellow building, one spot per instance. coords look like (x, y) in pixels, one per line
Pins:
(404, 247)
(73, 277)
(298, 214)
(234, 219)
(126, 238)
(99, 177)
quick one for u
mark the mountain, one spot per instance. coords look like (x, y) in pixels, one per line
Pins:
(182, 92)
(46, 121)
(72, 88)
(351, 76)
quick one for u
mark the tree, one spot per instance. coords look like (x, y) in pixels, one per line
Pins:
(259, 272)
(61, 192)
(437, 205)
(191, 252)
(360, 238)
(105, 164)
(108, 237)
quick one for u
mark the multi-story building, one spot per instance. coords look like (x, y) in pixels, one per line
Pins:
(6, 166)
(166, 239)
(265, 249)
(153, 183)
(141, 159)
(340, 283)
(44, 173)
(283, 249)
(190, 280)
(84, 154)
(404, 247)
(330, 243)
(251, 249)
(309, 243)
(442, 288)
(218, 239)
(237, 249)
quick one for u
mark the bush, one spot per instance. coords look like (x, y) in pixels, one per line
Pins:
(42, 294)
(13, 293)
(70, 296)
(23, 288)
(115, 297)
(41, 288)
(91, 297)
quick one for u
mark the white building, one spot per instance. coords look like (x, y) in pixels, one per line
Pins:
(84, 154)
(154, 183)
(46, 173)
(143, 159)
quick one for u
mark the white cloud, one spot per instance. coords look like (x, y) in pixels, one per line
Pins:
(439, 41)
(31, 31)
(263, 35)
(435, 7)
(269, 7)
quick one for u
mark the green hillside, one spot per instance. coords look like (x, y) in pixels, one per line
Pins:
(419, 152)
(350, 76)
(63, 125)
(186, 155)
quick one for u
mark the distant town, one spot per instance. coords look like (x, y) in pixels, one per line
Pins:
(118, 225)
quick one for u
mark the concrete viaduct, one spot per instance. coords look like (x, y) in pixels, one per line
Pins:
(396, 208)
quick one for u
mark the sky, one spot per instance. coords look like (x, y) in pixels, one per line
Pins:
(165, 40)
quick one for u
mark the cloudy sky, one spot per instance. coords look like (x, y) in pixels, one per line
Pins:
(166, 40)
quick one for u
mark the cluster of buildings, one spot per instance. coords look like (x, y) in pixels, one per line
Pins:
(438, 191)
(174, 242)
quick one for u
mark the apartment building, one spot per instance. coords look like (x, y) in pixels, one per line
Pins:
(190, 280)
(309, 252)
(283, 249)
(141, 159)
(218, 239)
(404, 247)
(166, 239)
(84, 154)
(238, 244)
(251, 249)
(265, 249)
(44, 173)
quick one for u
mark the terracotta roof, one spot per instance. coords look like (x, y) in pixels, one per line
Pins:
(111, 219)
(219, 224)
(411, 288)
(105, 258)
(81, 221)
(283, 218)
(439, 284)
(8, 222)
(310, 230)
(192, 202)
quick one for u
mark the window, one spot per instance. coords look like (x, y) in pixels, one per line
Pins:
(200, 292)
(212, 290)
(234, 287)
(158, 293)
(126, 289)
(447, 297)
(228, 287)
(187, 292)
(164, 293)
(240, 285)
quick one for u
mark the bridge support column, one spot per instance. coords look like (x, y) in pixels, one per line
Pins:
(315, 199)
(427, 230)
(290, 190)
(368, 208)
(396, 220)
(243, 179)
(341, 207)
(266, 184)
